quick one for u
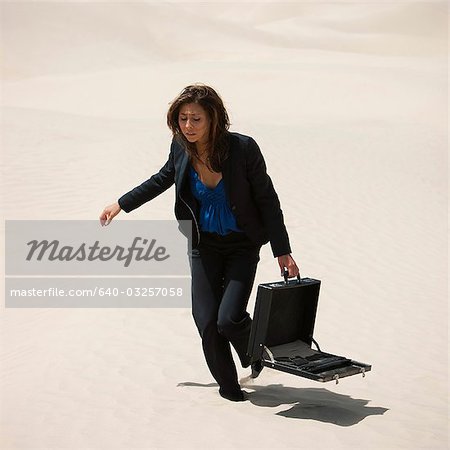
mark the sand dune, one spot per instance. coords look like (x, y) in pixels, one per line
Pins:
(69, 38)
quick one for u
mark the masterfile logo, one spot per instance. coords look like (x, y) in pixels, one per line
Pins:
(55, 251)
(85, 248)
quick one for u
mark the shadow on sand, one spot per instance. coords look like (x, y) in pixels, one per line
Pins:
(309, 403)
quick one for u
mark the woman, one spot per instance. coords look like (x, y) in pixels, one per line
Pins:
(223, 190)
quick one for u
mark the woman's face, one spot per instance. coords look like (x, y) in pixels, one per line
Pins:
(194, 123)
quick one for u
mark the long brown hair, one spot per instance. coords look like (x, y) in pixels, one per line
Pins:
(211, 102)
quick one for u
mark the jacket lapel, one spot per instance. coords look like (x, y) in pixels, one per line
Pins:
(227, 174)
(182, 172)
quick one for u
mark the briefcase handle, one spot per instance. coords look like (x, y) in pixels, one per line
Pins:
(285, 276)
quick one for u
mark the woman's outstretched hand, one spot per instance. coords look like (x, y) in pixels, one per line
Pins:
(109, 213)
(288, 262)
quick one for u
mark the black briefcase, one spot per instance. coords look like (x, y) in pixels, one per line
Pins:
(282, 333)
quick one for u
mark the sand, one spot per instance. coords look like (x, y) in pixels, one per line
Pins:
(348, 102)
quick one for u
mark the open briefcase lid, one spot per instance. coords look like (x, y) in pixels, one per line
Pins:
(282, 332)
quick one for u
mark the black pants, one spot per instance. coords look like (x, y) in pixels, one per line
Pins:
(223, 270)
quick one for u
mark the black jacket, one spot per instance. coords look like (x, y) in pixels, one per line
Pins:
(249, 190)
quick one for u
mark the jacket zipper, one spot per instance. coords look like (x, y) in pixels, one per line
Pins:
(195, 220)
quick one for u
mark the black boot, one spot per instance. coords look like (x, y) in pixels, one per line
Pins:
(235, 396)
(257, 367)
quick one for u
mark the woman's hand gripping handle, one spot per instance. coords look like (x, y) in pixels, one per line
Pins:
(286, 261)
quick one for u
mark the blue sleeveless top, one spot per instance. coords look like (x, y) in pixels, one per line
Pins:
(215, 213)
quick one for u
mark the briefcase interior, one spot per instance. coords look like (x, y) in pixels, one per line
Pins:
(282, 333)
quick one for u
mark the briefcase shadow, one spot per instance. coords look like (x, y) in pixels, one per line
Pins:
(314, 404)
